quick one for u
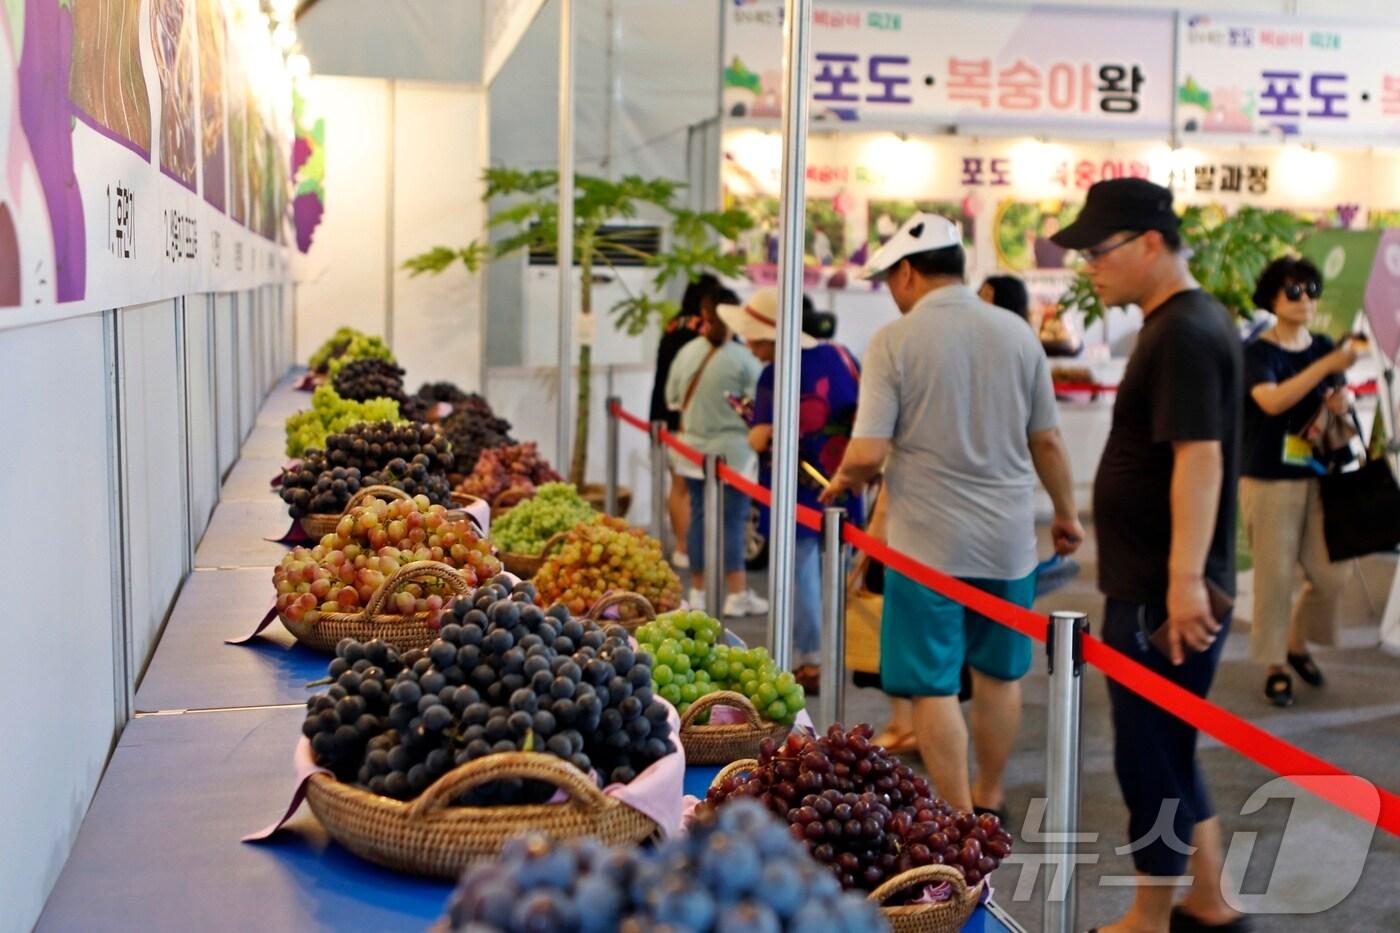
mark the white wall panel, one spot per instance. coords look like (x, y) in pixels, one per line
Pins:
(201, 423)
(249, 387)
(226, 393)
(55, 486)
(153, 473)
(437, 200)
(342, 279)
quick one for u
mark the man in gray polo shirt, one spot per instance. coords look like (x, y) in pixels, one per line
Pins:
(956, 405)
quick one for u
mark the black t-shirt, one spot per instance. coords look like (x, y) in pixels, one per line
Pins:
(681, 331)
(1265, 362)
(1182, 383)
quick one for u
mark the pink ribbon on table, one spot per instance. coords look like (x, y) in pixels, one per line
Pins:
(306, 766)
(307, 383)
(266, 621)
(295, 536)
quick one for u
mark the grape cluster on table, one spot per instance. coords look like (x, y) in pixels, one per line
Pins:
(330, 414)
(555, 507)
(370, 378)
(862, 812)
(414, 458)
(472, 428)
(369, 544)
(607, 554)
(691, 661)
(505, 675)
(510, 466)
(737, 871)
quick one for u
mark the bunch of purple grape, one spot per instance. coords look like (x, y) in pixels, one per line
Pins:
(862, 812)
(736, 870)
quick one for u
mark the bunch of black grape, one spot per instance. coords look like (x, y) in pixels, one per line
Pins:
(373, 445)
(472, 429)
(412, 457)
(365, 379)
(735, 871)
(862, 812)
(504, 676)
(309, 490)
(434, 392)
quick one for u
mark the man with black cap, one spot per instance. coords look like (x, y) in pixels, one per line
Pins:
(956, 405)
(1164, 512)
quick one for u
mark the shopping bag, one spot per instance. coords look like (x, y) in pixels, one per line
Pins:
(1360, 510)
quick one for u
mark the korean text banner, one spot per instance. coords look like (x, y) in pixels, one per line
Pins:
(1279, 76)
(146, 146)
(1043, 68)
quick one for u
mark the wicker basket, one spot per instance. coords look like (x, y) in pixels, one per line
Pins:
(943, 917)
(526, 566)
(624, 600)
(509, 499)
(717, 744)
(403, 632)
(318, 525)
(464, 499)
(430, 836)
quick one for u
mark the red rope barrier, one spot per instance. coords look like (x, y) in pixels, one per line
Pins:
(1274, 754)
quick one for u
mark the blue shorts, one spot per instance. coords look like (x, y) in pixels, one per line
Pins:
(925, 637)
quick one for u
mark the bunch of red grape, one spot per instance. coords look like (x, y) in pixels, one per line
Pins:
(862, 812)
(602, 555)
(471, 429)
(372, 541)
(510, 466)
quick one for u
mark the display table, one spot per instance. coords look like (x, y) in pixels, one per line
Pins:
(192, 667)
(251, 478)
(236, 532)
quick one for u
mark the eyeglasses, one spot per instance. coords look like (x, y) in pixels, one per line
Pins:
(1293, 290)
(1095, 253)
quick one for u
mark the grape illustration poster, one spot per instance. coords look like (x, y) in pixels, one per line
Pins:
(124, 126)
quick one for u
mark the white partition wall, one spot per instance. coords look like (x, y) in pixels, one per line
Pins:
(154, 512)
(226, 394)
(201, 424)
(57, 489)
(249, 386)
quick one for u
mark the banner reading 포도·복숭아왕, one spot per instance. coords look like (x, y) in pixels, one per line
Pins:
(146, 147)
(1039, 68)
(1281, 77)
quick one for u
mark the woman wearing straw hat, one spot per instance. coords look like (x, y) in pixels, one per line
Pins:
(830, 385)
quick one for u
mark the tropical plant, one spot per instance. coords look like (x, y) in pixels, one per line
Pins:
(532, 219)
(1227, 253)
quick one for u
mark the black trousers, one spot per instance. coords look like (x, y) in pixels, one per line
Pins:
(1154, 753)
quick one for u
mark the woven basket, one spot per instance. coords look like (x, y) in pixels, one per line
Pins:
(430, 836)
(717, 744)
(526, 566)
(318, 525)
(464, 499)
(943, 917)
(403, 632)
(624, 600)
(509, 498)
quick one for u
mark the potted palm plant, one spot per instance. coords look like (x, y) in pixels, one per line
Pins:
(692, 246)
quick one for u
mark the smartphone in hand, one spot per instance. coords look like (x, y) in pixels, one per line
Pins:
(1221, 604)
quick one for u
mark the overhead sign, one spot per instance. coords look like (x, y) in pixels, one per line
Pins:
(1048, 68)
(503, 25)
(1283, 77)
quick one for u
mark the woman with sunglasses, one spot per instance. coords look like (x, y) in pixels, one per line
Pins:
(1290, 373)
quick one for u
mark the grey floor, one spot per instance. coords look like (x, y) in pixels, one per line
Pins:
(1353, 722)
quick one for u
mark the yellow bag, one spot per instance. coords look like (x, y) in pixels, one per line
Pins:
(863, 612)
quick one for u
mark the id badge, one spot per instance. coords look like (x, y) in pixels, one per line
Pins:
(1297, 451)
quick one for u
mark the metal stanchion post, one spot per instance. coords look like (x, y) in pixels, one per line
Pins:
(614, 432)
(714, 537)
(1065, 650)
(832, 707)
(658, 483)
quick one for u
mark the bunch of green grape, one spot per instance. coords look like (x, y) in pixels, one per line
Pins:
(334, 346)
(526, 527)
(691, 661)
(362, 347)
(331, 414)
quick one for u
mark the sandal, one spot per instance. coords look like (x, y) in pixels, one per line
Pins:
(1279, 689)
(1182, 922)
(1307, 668)
(810, 677)
(895, 743)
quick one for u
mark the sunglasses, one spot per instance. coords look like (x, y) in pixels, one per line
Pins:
(1095, 253)
(1293, 290)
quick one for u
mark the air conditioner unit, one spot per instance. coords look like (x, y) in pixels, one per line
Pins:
(611, 283)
